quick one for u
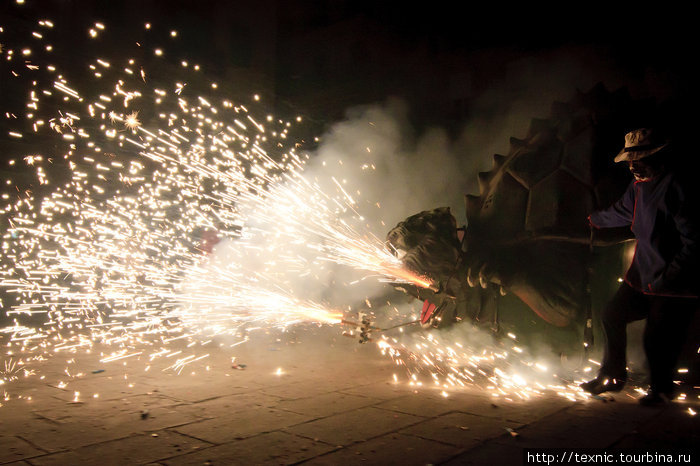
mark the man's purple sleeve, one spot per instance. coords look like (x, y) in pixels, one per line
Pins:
(620, 214)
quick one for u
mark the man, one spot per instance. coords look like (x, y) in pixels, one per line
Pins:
(662, 283)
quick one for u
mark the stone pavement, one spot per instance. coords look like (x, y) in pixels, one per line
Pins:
(333, 402)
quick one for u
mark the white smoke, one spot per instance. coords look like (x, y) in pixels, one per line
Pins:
(372, 159)
(391, 170)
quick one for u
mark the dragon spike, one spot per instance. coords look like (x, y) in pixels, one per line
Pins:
(473, 206)
(598, 90)
(623, 94)
(517, 144)
(579, 98)
(499, 160)
(561, 110)
(484, 180)
(596, 94)
(539, 125)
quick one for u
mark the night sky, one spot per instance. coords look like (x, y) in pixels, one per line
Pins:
(362, 52)
(479, 73)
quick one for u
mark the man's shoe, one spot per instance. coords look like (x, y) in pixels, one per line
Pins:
(602, 384)
(655, 399)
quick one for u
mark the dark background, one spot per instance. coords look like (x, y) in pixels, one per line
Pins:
(450, 61)
(477, 71)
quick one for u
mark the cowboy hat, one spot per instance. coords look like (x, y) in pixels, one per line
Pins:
(639, 144)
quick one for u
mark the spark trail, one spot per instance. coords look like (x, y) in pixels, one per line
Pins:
(143, 208)
(135, 179)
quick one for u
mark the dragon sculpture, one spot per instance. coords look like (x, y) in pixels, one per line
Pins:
(527, 233)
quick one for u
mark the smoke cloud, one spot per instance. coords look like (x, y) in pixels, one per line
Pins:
(391, 170)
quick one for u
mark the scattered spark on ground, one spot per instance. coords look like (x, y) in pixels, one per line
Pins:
(449, 360)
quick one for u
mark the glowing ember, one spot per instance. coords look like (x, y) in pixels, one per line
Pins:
(438, 359)
(131, 121)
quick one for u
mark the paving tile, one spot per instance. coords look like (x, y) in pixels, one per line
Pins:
(106, 389)
(669, 427)
(584, 425)
(201, 391)
(224, 405)
(354, 426)
(488, 454)
(461, 429)
(29, 392)
(79, 431)
(312, 387)
(298, 390)
(391, 449)
(621, 407)
(517, 410)
(137, 449)
(14, 449)
(419, 405)
(383, 390)
(98, 407)
(241, 424)
(19, 416)
(326, 404)
(270, 448)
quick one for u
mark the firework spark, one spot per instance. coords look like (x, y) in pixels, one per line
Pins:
(158, 216)
(453, 360)
(116, 246)
(131, 121)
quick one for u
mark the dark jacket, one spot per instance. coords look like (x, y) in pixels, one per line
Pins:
(662, 214)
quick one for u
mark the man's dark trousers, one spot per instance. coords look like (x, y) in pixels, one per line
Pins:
(668, 322)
